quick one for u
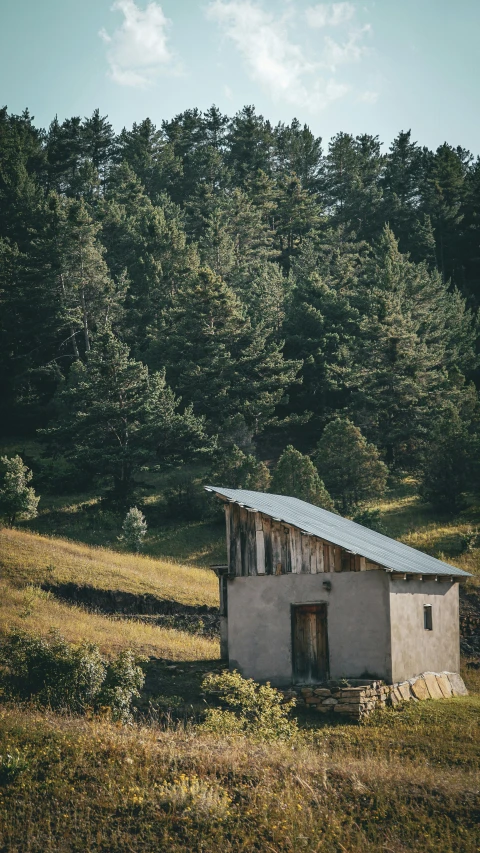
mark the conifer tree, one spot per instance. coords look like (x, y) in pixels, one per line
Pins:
(399, 378)
(113, 417)
(22, 166)
(402, 180)
(134, 529)
(263, 192)
(216, 360)
(148, 153)
(198, 143)
(403, 172)
(451, 467)
(98, 143)
(147, 243)
(470, 235)
(299, 152)
(88, 296)
(322, 320)
(443, 195)
(297, 214)
(351, 468)
(33, 340)
(238, 470)
(350, 188)
(76, 151)
(237, 245)
(295, 475)
(64, 152)
(217, 244)
(250, 139)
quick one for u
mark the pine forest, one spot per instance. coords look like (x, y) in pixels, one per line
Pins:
(217, 289)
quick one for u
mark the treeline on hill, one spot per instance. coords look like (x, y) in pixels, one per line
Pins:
(220, 288)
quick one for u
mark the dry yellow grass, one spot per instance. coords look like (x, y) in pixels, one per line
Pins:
(409, 781)
(406, 518)
(31, 558)
(28, 560)
(437, 539)
(37, 612)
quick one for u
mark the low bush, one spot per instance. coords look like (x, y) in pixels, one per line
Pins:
(470, 540)
(12, 764)
(256, 709)
(204, 800)
(123, 681)
(52, 672)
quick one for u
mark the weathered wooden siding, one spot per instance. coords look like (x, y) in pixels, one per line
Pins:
(258, 544)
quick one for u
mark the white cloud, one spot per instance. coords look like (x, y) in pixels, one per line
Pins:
(329, 14)
(351, 50)
(138, 50)
(273, 60)
(368, 97)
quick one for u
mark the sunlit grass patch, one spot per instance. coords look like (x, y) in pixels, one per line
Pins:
(439, 538)
(405, 517)
(33, 610)
(29, 558)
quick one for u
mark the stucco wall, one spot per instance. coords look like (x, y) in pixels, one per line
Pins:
(259, 623)
(415, 650)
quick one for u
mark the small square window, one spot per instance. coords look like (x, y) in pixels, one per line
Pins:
(427, 617)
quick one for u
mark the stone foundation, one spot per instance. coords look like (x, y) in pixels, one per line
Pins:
(356, 698)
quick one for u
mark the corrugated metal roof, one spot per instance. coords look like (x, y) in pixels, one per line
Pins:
(341, 531)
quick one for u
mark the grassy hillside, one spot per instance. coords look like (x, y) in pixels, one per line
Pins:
(29, 558)
(405, 781)
(82, 517)
(30, 609)
(28, 561)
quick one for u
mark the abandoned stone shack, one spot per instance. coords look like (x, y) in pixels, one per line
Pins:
(335, 613)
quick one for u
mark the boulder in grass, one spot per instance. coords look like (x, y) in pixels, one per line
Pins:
(457, 685)
(395, 697)
(433, 688)
(404, 690)
(444, 685)
(419, 688)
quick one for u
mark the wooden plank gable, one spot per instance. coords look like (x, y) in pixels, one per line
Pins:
(258, 544)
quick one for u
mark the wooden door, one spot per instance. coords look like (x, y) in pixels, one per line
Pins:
(309, 641)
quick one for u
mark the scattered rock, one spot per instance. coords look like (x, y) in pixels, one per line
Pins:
(357, 700)
(419, 688)
(456, 683)
(395, 697)
(430, 680)
(404, 690)
(444, 685)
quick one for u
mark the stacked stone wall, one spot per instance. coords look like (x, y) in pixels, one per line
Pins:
(356, 699)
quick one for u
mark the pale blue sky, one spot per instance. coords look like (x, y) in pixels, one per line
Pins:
(378, 66)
